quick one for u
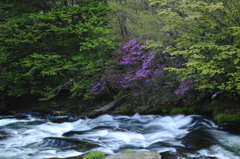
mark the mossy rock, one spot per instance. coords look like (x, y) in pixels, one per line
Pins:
(179, 110)
(220, 118)
(94, 155)
(128, 151)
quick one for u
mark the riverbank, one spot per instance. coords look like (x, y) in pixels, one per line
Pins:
(221, 108)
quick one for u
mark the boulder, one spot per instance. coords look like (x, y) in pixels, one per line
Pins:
(136, 155)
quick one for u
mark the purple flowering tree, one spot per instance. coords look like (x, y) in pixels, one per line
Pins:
(136, 66)
(142, 72)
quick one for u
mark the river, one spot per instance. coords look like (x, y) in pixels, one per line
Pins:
(41, 136)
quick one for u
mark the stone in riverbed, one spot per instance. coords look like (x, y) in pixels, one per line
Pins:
(136, 155)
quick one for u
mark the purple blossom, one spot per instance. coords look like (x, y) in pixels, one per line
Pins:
(143, 73)
(136, 67)
(148, 81)
(132, 43)
(98, 87)
(148, 60)
(158, 71)
(184, 86)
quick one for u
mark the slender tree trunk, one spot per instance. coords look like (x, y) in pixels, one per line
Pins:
(122, 18)
(144, 5)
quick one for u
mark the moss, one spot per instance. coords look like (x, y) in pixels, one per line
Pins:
(226, 118)
(183, 110)
(221, 118)
(64, 112)
(179, 110)
(94, 155)
(128, 151)
(40, 108)
(29, 154)
(164, 110)
(124, 107)
(212, 105)
(192, 109)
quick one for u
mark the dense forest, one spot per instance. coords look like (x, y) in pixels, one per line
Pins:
(160, 52)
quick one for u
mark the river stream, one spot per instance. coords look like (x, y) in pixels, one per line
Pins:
(42, 136)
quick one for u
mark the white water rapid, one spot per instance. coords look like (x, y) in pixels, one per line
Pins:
(41, 137)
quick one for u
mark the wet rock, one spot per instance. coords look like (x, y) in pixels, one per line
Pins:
(170, 155)
(198, 139)
(230, 127)
(75, 157)
(61, 119)
(3, 135)
(163, 144)
(47, 117)
(177, 155)
(26, 115)
(70, 133)
(67, 143)
(136, 155)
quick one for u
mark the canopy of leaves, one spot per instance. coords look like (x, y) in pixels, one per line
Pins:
(205, 34)
(48, 46)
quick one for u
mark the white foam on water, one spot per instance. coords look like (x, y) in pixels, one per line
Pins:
(165, 129)
(139, 132)
(166, 149)
(227, 141)
(54, 154)
(55, 129)
(4, 122)
(170, 125)
(92, 136)
(218, 152)
(17, 140)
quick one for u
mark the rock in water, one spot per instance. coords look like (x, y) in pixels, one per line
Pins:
(136, 155)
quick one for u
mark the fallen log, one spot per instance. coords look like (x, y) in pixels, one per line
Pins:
(107, 107)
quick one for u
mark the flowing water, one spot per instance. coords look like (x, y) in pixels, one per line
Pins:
(42, 136)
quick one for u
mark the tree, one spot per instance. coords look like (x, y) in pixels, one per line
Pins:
(49, 46)
(133, 19)
(141, 72)
(206, 36)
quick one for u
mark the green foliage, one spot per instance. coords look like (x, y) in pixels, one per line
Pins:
(205, 35)
(125, 107)
(47, 48)
(94, 155)
(139, 21)
(212, 105)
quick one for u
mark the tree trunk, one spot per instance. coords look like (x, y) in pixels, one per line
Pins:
(107, 107)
